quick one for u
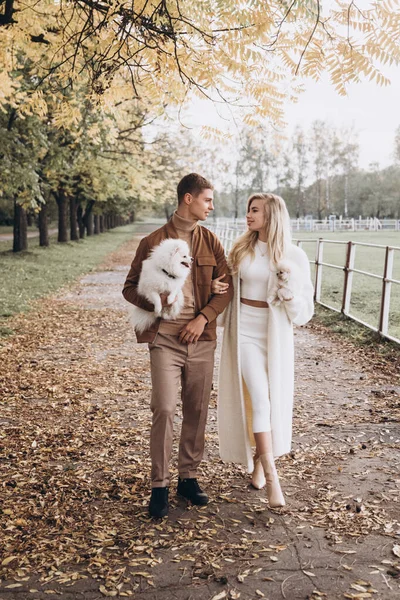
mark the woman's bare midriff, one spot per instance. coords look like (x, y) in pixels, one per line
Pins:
(256, 303)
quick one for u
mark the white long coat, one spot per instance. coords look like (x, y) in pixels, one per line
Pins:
(234, 406)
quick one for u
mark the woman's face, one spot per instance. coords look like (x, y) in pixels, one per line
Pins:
(255, 216)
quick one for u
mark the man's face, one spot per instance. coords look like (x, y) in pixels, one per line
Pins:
(201, 205)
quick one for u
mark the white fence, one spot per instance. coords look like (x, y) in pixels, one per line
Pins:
(329, 224)
(227, 235)
(385, 279)
(339, 224)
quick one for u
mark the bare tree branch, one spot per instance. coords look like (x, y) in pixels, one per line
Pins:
(310, 38)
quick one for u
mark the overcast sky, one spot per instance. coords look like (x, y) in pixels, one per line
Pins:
(373, 111)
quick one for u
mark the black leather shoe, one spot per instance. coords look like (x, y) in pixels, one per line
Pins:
(158, 506)
(190, 490)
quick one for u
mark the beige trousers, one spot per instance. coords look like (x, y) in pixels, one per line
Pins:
(191, 366)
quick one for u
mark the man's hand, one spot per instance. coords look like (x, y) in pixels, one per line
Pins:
(164, 300)
(193, 330)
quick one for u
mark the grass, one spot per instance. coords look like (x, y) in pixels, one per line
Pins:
(366, 291)
(33, 274)
(384, 350)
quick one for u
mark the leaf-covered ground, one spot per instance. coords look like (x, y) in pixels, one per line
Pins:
(74, 471)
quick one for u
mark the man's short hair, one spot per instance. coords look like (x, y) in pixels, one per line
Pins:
(192, 184)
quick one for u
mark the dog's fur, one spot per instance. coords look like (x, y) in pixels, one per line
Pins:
(163, 272)
(287, 282)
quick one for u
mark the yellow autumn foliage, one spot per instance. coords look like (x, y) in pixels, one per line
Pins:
(160, 53)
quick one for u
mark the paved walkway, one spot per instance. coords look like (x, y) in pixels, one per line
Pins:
(74, 471)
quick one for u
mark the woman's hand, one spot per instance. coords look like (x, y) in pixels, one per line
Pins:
(218, 286)
(285, 294)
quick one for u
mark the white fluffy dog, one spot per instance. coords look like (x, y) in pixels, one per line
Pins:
(288, 282)
(163, 272)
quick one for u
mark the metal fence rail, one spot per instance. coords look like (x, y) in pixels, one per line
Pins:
(348, 269)
(228, 233)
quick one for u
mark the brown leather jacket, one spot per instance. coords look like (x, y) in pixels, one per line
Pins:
(209, 263)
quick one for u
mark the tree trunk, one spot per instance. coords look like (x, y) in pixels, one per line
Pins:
(29, 218)
(96, 224)
(61, 199)
(88, 217)
(81, 223)
(327, 196)
(346, 188)
(298, 199)
(101, 223)
(73, 222)
(20, 241)
(89, 224)
(319, 208)
(236, 205)
(43, 227)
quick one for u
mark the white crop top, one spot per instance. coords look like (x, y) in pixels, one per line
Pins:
(254, 274)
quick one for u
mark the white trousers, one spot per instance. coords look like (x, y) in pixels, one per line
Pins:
(254, 363)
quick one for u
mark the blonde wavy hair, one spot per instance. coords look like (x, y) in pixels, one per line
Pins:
(277, 232)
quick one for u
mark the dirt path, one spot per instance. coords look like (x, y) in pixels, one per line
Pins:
(74, 471)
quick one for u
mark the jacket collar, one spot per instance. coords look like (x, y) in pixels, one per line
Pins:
(183, 224)
(196, 236)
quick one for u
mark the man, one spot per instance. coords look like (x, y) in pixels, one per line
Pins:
(182, 351)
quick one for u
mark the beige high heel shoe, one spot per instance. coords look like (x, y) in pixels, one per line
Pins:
(274, 492)
(258, 477)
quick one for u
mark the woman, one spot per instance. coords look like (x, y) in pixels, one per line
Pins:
(257, 360)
